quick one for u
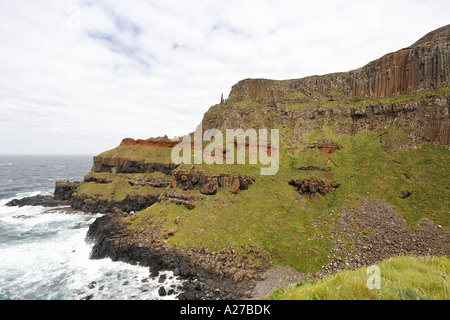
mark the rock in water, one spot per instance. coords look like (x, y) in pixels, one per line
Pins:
(39, 200)
(162, 292)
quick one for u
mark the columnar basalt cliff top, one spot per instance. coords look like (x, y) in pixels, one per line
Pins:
(423, 65)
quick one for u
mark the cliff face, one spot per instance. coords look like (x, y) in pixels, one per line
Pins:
(409, 87)
(424, 119)
(424, 65)
(208, 183)
(124, 165)
(132, 202)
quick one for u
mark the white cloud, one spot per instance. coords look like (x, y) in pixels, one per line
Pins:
(150, 68)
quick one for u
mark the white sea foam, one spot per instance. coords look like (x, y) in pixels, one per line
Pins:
(45, 256)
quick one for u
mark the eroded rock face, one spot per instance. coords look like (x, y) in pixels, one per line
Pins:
(425, 119)
(260, 103)
(102, 180)
(219, 275)
(151, 182)
(189, 201)
(313, 187)
(65, 189)
(438, 130)
(132, 202)
(61, 197)
(208, 183)
(122, 165)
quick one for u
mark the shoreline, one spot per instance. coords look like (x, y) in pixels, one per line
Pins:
(209, 275)
(223, 275)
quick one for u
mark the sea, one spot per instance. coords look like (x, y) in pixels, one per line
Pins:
(43, 252)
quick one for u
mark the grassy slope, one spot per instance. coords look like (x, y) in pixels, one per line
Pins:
(148, 154)
(404, 278)
(119, 187)
(359, 102)
(268, 215)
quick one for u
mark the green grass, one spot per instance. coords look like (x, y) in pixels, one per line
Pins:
(119, 187)
(326, 102)
(416, 95)
(145, 153)
(401, 278)
(268, 216)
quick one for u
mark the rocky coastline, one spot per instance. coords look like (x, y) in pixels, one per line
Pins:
(401, 99)
(208, 275)
(62, 196)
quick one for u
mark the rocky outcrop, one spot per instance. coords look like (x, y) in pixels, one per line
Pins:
(218, 275)
(417, 114)
(208, 183)
(150, 181)
(188, 200)
(65, 189)
(425, 119)
(404, 194)
(96, 179)
(61, 197)
(327, 147)
(438, 130)
(313, 187)
(132, 202)
(39, 200)
(123, 165)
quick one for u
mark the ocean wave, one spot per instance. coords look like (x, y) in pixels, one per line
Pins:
(47, 258)
(22, 195)
(6, 164)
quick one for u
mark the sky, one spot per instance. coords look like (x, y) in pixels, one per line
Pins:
(76, 77)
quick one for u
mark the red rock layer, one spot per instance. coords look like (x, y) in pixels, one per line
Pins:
(148, 143)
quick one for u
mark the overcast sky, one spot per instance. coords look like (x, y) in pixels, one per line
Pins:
(78, 76)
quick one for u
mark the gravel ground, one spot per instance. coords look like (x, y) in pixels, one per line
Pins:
(376, 232)
(277, 277)
(366, 235)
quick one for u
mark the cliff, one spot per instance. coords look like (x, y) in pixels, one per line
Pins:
(363, 176)
(410, 86)
(424, 65)
(125, 165)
